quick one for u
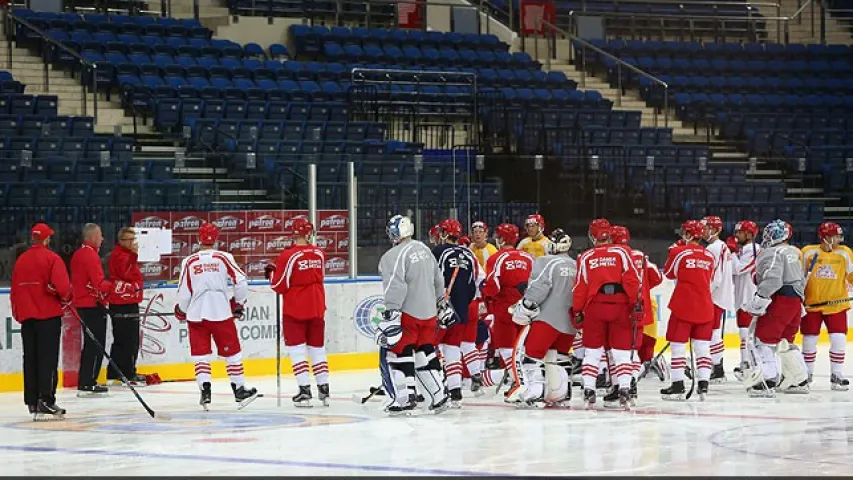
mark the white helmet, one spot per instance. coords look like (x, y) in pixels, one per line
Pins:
(560, 242)
(399, 227)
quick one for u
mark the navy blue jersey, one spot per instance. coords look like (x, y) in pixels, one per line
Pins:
(465, 286)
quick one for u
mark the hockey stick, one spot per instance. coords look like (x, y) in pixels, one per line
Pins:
(655, 360)
(831, 302)
(695, 372)
(156, 415)
(362, 400)
(278, 348)
(142, 315)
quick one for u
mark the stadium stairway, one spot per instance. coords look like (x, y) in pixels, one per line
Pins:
(801, 29)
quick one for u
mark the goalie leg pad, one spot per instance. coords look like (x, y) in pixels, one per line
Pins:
(793, 366)
(398, 372)
(556, 379)
(429, 374)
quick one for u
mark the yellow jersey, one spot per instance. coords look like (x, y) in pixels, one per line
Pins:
(652, 328)
(484, 253)
(536, 248)
(827, 276)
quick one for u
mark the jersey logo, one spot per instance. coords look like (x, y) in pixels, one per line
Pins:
(696, 263)
(199, 268)
(308, 264)
(602, 262)
(515, 265)
(825, 272)
(564, 271)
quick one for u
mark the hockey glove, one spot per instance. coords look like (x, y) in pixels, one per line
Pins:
(181, 316)
(525, 311)
(269, 270)
(577, 320)
(731, 242)
(236, 309)
(758, 305)
(446, 315)
(389, 330)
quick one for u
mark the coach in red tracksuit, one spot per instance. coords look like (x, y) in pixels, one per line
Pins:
(40, 288)
(90, 292)
(298, 277)
(124, 301)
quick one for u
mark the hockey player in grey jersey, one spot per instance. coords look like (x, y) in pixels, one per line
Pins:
(778, 306)
(544, 310)
(414, 303)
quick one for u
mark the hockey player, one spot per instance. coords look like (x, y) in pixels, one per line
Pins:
(297, 276)
(691, 309)
(414, 303)
(778, 304)
(605, 293)
(203, 301)
(507, 274)
(647, 329)
(744, 251)
(536, 243)
(722, 292)
(829, 273)
(547, 329)
(433, 235)
(481, 247)
(460, 270)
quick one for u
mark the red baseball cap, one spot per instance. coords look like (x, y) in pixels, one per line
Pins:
(41, 231)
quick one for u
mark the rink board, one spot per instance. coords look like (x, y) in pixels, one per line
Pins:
(353, 307)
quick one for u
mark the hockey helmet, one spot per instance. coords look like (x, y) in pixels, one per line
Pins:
(692, 230)
(599, 230)
(560, 242)
(535, 219)
(464, 241)
(620, 235)
(480, 224)
(399, 227)
(714, 224)
(450, 228)
(829, 229)
(208, 233)
(302, 227)
(775, 232)
(507, 234)
(747, 226)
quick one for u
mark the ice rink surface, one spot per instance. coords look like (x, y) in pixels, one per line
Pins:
(728, 434)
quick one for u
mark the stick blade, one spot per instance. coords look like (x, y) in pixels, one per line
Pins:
(357, 398)
(162, 416)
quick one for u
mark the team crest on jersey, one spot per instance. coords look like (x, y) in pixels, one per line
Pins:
(825, 272)
(368, 314)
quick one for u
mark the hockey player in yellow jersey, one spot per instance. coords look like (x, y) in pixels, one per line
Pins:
(480, 242)
(536, 243)
(828, 269)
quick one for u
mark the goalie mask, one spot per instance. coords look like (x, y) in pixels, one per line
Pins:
(561, 242)
(399, 228)
(775, 232)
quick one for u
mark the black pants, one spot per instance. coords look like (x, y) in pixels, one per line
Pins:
(41, 359)
(125, 346)
(93, 356)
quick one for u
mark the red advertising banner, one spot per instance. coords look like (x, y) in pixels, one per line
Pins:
(411, 15)
(532, 12)
(255, 238)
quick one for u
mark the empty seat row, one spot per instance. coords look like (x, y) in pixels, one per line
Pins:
(170, 112)
(735, 125)
(731, 51)
(62, 169)
(596, 135)
(294, 131)
(142, 24)
(68, 147)
(758, 84)
(426, 56)
(135, 194)
(33, 125)
(21, 104)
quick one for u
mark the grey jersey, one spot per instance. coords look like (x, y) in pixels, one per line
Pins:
(550, 287)
(411, 279)
(779, 266)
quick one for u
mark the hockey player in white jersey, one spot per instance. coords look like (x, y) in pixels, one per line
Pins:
(206, 304)
(544, 310)
(722, 292)
(744, 254)
(414, 307)
(778, 304)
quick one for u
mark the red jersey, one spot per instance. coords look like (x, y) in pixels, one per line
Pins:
(126, 277)
(88, 283)
(298, 277)
(652, 277)
(691, 266)
(30, 296)
(600, 266)
(505, 271)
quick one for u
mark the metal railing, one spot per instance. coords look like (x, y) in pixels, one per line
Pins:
(47, 46)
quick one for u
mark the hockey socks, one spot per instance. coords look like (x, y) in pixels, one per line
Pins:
(452, 365)
(202, 369)
(319, 365)
(234, 369)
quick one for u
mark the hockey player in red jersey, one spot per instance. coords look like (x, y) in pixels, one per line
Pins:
(203, 300)
(507, 273)
(651, 277)
(298, 277)
(606, 290)
(691, 307)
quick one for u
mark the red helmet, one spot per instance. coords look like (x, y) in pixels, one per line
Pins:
(620, 235)
(747, 226)
(507, 233)
(599, 229)
(464, 241)
(693, 228)
(208, 233)
(537, 219)
(450, 228)
(433, 231)
(828, 229)
(302, 227)
(714, 223)
(480, 224)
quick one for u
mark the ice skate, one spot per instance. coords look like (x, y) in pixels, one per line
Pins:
(625, 400)
(838, 383)
(764, 389)
(323, 394)
(303, 398)
(576, 364)
(603, 384)
(702, 389)
(674, 392)
(589, 398)
(611, 400)
(565, 402)
(442, 405)
(802, 388)
(399, 408)
(633, 392)
(204, 401)
(477, 385)
(244, 396)
(92, 391)
(456, 398)
(718, 375)
(32, 409)
(738, 371)
(48, 412)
